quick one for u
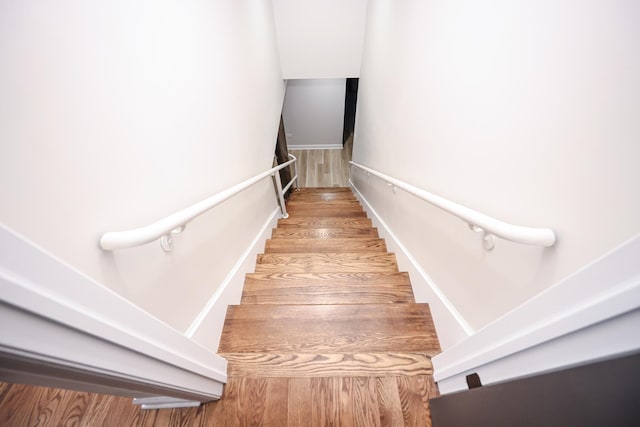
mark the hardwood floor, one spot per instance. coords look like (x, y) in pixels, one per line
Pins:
(248, 401)
(327, 333)
(324, 168)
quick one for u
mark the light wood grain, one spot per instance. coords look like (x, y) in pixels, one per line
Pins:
(295, 232)
(338, 204)
(327, 262)
(389, 405)
(352, 245)
(327, 364)
(370, 328)
(326, 211)
(318, 168)
(414, 399)
(364, 402)
(326, 393)
(327, 288)
(328, 222)
(299, 402)
(312, 197)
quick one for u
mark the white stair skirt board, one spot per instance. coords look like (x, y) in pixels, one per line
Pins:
(450, 324)
(206, 328)
(589, 316)
(82, 335)
(316, 147)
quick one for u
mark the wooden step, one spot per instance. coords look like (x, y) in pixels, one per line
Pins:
(329, 204)
(326, 195)
(365, 262)
(329, 329)
(293, 232)
(321, 197)
(315, 190)
(325, 211)
(327, 365)
(320, 222)
(327, 288)
(323, 203)
(324, 245)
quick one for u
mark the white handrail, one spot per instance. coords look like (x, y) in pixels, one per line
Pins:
(477, 221)
(176, 222)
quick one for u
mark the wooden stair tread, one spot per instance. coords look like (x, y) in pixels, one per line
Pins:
(321, 197)
(296, 232)
(302, 329)
(324, 222)
(327, 364)
(326, 211)
(326, 262)
(327, 288)
(342, 205)
(324, 245)
(338, 204)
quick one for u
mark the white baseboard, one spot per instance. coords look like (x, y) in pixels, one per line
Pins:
(450, 324)
(589, 316)
(316, 147)
(206, 328)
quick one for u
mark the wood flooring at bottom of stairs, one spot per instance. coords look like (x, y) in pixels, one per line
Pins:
(354, 401)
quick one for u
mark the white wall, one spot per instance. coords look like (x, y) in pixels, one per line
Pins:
(115, 114)
(320, 38)
(313, 113)
(527, 111)
(591, 315)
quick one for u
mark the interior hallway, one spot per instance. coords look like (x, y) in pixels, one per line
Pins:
(324, 168)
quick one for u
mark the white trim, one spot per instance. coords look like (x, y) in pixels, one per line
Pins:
(442, 298)
(163, 402)
(64, 318)
(600, 295)
(232, 277)
(316, 147)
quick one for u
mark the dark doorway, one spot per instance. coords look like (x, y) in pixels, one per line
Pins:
(598, 394)
(282, 156)
(350, 101)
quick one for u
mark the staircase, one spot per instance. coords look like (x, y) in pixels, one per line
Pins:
(328, 314)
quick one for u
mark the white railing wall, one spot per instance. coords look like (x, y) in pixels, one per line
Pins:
(477, 221)
(166, 227)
